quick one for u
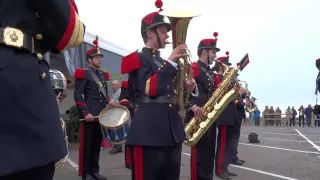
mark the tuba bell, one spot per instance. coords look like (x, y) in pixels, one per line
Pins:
(179, 24)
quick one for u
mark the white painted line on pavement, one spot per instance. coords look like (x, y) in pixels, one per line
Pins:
(313, 144)
(277, 139)
(284, 149)
(257, 171)
(263, 172)
(73, 164)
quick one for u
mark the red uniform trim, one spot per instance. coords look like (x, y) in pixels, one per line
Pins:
(195, 69)
(80, 170)
(124, 84)
(217, 80)
(79, 73)
(124, 101)
(69, 31)
(138, 162)
(151, 85)
(222, 149)
(130, 63)
(193, 162)
(81, 103)
(74, 5)
(128, 157)
(107, 75)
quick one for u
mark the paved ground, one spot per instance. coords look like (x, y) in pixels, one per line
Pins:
(283, 153)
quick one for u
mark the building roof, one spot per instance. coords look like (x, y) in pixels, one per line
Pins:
(107, 45)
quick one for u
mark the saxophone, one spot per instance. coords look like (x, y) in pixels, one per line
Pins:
(219, 100)
(179, 24)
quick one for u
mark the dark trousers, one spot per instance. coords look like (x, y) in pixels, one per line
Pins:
(223, 145)
(127, 156)
(308, 121)
(301, 118)
(235, 133)
(257, 123)
(155, 163)
(292, 121)
(203, 156)
(317, 123)
(38, 173)
(90, 145)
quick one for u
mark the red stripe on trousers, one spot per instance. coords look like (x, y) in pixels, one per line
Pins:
(194, 162)
(128, 158)
(138, 162)
(222, 149)
(80, 170)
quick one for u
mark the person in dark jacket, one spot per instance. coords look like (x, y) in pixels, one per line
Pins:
(308, 112)
(156, 131)
(203, 153)
(91, 97)
(31, 134)
(226, 134)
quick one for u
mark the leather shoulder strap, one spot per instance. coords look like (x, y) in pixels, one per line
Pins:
(97, 80)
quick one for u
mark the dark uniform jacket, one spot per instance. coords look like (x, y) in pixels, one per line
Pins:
(229, 116)
(31, 133)
(87, 94)
(241, 114)
(206, 82)
(156, 122)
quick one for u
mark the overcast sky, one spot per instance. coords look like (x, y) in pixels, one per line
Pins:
(280, 36)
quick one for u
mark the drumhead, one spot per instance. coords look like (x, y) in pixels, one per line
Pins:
(58, 81)
(114, 116)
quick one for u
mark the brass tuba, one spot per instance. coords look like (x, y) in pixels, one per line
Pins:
(179, 24)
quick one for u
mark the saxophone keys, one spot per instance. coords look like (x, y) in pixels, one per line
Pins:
(210, 115)
(202, 125)
(217, 106)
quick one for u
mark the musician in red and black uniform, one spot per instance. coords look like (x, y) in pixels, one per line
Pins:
(203, 153)
(31, 135)
(91, 96)
(226, 122)
(126, 100)
(236, 131)
(156, 132)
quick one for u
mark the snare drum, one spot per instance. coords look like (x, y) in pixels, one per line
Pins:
(115, 122)
(58, 81)
(63, 160)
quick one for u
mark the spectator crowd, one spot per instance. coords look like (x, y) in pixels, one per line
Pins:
(290, 117)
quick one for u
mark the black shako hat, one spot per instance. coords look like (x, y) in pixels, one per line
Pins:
(154, 19)
(209, 43)
(95, 50)
(225, 59)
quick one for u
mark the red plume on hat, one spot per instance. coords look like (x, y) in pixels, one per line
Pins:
(159, 5)
(215, 34)
(95, 50)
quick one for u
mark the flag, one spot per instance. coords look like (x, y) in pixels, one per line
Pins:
(244, 62)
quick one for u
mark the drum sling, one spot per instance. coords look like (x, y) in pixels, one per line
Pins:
(97, 80)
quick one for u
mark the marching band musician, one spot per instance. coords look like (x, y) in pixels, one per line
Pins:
(156, 132)
(203, 153)
(31, 134)
(127, 101)
(225, 122)
(236, 131)
(91, 96)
